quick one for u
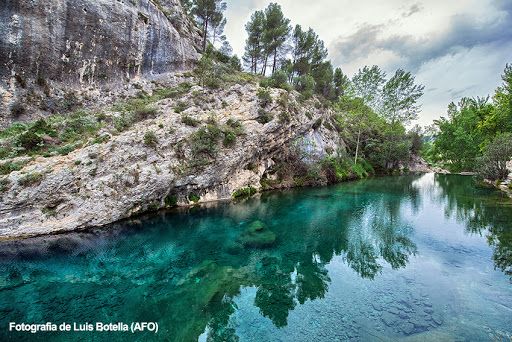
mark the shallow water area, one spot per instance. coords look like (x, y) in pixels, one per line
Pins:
(412, 258)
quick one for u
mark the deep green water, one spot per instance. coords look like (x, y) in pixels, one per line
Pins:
(404, 258)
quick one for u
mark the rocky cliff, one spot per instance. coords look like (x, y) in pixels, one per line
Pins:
(49, 48)
(190, 145)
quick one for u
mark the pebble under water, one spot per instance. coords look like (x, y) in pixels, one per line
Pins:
(412, 258)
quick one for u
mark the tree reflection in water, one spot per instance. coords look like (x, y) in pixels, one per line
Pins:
(483, 210)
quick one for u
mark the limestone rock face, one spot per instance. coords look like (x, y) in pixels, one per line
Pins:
(87, 43)
(104, 182)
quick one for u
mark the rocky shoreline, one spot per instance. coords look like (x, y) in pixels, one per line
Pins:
(185, 162)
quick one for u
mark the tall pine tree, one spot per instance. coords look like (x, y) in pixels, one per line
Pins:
(275, 35)
(209, 15)
(254, 50)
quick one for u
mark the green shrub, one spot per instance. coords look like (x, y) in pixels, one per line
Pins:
(205, 141)
(264, 97)
(284, 116)
(144, 112)
(192, 197)
(244, 192)
(306, 86)
(122, 122)
(49, 212)
(31, 179)
(171, 201)
(150, 139)
(229, 138)
(172, 93)
(278, 80)
(7, 168)
(4, 184)
(236, 125)
(66, 149)
(284, 100)
(180, 107)
(264, 116)
(189, 121)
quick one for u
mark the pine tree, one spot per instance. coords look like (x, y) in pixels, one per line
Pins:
(275, 35)
(341, 83)
(308, 52)
(254, 44)
(209, 15)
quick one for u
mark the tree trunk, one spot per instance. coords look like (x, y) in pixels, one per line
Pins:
(264, 68)
(205, 34)
(275, 59)
(357, 146)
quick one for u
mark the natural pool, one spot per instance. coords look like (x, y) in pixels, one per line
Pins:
(401, 258)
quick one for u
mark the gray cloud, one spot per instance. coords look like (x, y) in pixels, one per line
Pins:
(412, 10)
(465, 32)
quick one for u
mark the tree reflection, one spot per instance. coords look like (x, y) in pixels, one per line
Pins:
(482, 210)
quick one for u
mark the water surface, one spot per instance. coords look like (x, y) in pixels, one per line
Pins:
(410, 258)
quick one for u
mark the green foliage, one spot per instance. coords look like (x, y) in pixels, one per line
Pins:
(342, 169)
(180, 107)
(189, 121)
(275, 34)
(493, 164)
(150, 139)
(399, 98)
(192, 197)
(341, 83)
(386, 146)
(31, 179)
(462, 139)
(236, 126)
(264, 117)
(205, 141)
(278, 80)
(4, 184)
(229, 138)
(264, 97)
(244, 192)
(171, 201)
(367, 84)
(214, 70)
(284, 117)
(209, 15)
(306, 86)
(459, 141)
(8, 167)
(254, 49)
(171, 93)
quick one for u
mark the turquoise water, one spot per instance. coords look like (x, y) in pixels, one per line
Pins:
(413, 258)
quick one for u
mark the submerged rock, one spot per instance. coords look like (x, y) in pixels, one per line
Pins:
(257, 236)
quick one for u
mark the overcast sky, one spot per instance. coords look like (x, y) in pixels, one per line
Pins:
(455, 48)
